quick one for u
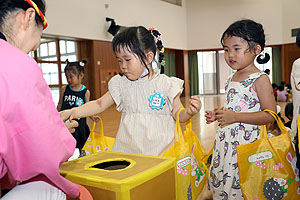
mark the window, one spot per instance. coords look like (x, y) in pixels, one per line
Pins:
(51, 56)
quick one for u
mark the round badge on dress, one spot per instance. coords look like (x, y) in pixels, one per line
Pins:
(157, 101)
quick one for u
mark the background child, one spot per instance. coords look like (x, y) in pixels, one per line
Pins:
(148, 100)
(73, 95)
(248, 92)
(274, 129)
(281, 94)
(275, 87)
(288, 112)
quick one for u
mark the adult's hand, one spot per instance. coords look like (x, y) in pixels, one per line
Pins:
(71, 125)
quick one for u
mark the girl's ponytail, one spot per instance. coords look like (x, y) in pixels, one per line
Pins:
(160, 47)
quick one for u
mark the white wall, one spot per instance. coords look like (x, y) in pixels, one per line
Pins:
(86, 19)
(207, 20)
(291, 19)
(198, 24)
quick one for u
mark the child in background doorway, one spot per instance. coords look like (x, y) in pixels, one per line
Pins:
(149, 101)
(248, 92)
(73, 95)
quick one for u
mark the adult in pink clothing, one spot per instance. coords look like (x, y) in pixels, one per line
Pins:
(34, 141)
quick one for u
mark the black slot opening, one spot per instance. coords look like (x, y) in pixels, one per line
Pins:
(112, 165)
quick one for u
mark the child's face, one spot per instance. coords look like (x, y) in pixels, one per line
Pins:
(237, 53)
(130, 64)
(73, 79)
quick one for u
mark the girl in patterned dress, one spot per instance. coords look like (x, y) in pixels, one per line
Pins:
(149, 101)
(248, 93)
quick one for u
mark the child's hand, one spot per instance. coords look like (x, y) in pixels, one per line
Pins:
(95, 118)
(225, 117)
(65, 115)
(195, 105)
(210, 116)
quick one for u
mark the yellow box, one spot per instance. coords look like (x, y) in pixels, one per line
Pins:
(143, 178)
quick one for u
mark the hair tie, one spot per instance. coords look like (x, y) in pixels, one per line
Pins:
(263, 57)
(82, 63)
(160, 47)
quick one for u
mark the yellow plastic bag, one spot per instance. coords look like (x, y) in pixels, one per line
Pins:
(180, 151)
(267, 167)
(98, 142)
(199, 172)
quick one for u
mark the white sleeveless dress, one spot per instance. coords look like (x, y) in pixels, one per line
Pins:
(224, 176)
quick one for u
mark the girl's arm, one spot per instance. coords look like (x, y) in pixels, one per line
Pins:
(264, 91)
(87, 99)
(186, 114)
(92, 107)
(61, 96)
(87, 96)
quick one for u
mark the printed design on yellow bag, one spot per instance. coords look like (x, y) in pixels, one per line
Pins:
(293, 161)
(190, 193)
(195, 168)
(278, 166)
(258, 158)
(261, 164)
(261, 156)
(275, 188)
(157, 101)
(183, 163)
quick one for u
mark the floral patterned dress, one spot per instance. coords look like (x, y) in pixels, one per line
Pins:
(224, 175)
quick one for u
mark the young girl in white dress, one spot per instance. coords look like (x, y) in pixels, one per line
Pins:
(148, 100)
(248, 93)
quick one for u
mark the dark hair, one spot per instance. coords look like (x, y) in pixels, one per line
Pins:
(8, 6)
(250, 31)
(280, 87)
(274, 85)
(298, 39)
(75, 67)
(138, 40)
(267, 71)
(282, 83)
(289, 109)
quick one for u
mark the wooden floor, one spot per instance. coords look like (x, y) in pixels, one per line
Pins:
(111, 119)
(206, 133)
